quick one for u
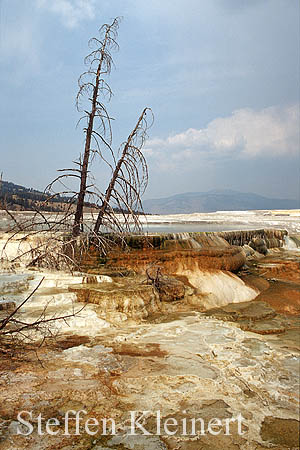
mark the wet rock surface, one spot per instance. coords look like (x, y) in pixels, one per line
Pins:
(281, 271)
(252, 311)
(189, 367)
(259, 245)
(148, 355)
(276, 309)
(128, 297)
(281, 431)
(256, 316)
(170, 289)
(222, 258)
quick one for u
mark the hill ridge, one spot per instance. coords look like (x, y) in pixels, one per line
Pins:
(215, 200)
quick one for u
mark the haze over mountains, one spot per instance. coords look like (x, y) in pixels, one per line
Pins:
(23, 198)
(215, 200)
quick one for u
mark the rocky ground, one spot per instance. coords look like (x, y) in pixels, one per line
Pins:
(130, 351)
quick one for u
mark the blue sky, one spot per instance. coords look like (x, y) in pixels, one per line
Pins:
(221, 76)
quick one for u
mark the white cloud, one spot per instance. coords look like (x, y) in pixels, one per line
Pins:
(246, 133)
(71, 12)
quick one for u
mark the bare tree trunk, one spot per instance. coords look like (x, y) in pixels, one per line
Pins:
(115, 175)
(57, 247)
(91, 116)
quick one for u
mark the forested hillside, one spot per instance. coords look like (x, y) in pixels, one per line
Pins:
(20, 198)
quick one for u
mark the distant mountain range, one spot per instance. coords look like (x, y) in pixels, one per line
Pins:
(14, 196)
(215, 200)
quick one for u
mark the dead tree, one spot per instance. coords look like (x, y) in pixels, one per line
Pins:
(129, 179)
(93, 86)
(119, 207)
(129, 174)
(15, 332)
